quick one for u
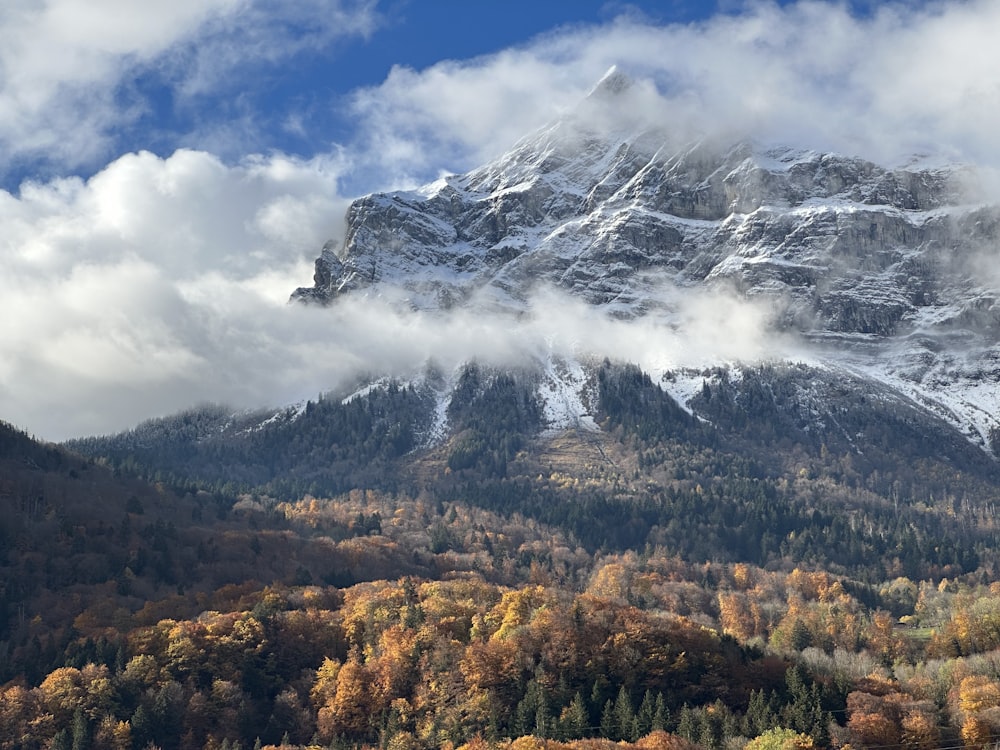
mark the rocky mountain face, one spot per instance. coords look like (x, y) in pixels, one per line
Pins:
(865, 445)
(888, 273)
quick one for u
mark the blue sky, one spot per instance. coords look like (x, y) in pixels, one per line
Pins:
(169, 171)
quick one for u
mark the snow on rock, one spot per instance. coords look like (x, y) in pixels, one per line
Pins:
(568, 394)
(877, 268)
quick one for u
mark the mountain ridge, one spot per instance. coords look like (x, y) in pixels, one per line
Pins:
(880, 272)
(867, 381)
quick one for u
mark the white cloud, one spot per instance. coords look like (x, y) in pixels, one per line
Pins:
(67, 67)
(912, 77)
(152, 285)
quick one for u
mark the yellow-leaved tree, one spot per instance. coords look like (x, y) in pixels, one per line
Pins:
(781, 739)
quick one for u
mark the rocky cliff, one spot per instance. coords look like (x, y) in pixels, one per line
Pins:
(887, 272)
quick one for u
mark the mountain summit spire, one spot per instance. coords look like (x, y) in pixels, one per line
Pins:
(612, 83)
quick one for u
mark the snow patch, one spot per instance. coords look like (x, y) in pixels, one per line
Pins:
(563, 389)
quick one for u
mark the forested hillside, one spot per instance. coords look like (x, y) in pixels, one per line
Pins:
(329, 446)
(331, 577)
(783, 464)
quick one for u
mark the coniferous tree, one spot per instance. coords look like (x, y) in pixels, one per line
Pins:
(687, 724)
(644, 716)
(575, 721)
(661, 714)
(609, 727)
(624, 716)
(80, 732)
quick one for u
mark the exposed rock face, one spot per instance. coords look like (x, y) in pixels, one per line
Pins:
(855, 246)
(851, 252)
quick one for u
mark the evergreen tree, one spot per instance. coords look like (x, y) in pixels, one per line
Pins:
(687, 724)
(709, 734)
(624, 716)
(575, 722)
(800, 637)
(661, 714)
(542, 722)
(597, 697)
(608, 728)
(644, 717)
(804, 712)
(81, 731)
(143, 729)
(759, 716)
(532, 707)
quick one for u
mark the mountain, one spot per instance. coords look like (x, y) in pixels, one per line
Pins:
(882, 273)
(799, 546)
(859, 437)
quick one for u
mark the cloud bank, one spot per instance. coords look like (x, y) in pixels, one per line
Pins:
(153, 285)
(159, 283)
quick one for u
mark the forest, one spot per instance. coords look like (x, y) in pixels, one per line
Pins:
(665, 581)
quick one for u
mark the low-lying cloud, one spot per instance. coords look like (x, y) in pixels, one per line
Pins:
(159, 348)
(162, 283)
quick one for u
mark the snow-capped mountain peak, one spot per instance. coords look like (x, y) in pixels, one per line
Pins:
(880, 270)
